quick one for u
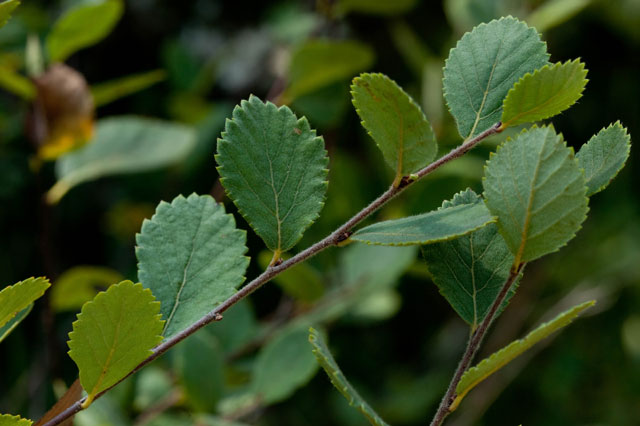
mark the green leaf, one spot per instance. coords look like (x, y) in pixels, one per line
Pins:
(114, 333)
(301, 281)
(17, 84)
(6, 9)
(283, 365)
(201, 267)
(15, 298)
(545, 93)
(78, 285)
(427, 228)
(535, 187)
(109, 91)
(470, 270)
(604, 156)
(375, 7)
(484, 66)
(330, 366)
(273, 166)
(6, 329)
(555, 12)
(122, 145)
(9, 420)
(395, 122)
(82, 26)
(499, 359)
(308, 71)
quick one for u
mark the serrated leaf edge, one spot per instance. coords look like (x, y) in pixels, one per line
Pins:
(19, 421)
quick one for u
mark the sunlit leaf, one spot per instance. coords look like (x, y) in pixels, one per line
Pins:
(82, 26)
(330, 366)
(535, 187)
(201, 267)
(109, 91)
(475, 84)
(78, 285)
(499, 359)
(6, 329)
(6, 8)
(604, 156)
(273, 166)
(9, 420)
(546, 92)
(15, 298)
(113, 334)
(395, 122)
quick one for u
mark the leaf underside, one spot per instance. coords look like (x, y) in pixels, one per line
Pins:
(9, 420)
(330, 366)
(15, 298)
(6, 329)
(484, 66)
(427, 228)
(273, 166)
(604, 156)
(470, 270)
(499, 359)
(191, 255)
(395, 122)
(533, 184)
(545, 93)
(113, 334)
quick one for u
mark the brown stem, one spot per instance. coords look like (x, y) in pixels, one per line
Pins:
(332, 239)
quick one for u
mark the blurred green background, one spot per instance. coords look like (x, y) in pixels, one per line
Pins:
(395, 338)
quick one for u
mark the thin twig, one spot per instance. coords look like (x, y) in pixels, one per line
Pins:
(336, 237)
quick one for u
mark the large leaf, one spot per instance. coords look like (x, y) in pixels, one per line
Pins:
(15, 298)
(6, 8)
(470, 270)
(202, 265)
(283, 365)
(427, 228)
(308, 71)
(545, 93)
(82, 26)
(499, 359)
(9, 420)
(484, 66)
(113, 334)
(395, 122)
(330, 366)
(109, 91)
(6, 329)
(123, 145)
(79, 284)
(604, 156)
(375, 7)
(273, 167)
(534, 185)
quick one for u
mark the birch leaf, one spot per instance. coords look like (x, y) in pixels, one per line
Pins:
(9, 420)
(15, 298)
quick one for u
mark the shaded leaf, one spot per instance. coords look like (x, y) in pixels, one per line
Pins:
(17, 84)
(544, 93)
(427, 228)
(330, 366)
(375, 7)
(6, 9)
(273, 166)
(79, 284)
(15, 298)
(490, 365)
(470, 270)
(604, 156)
(6, 329)
(82, 26)
(301, 281)
(484, 66)
(114, 333)
(283, 365)
(533, 184)
(308, 71)
(109, 91)
(123, 145)
(9, 420)
(555, 12)
(201, 267)
(238, 328)
(395, 122)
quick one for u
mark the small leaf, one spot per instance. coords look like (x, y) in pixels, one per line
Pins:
(309, 72)
(395, 122)
(9, 420)
(79, 284)
(17, 84)
(499, 359)
(375, 7)
(113, 334)
(82, 26)
(6, 329)
(6, 9)
(15, 298)
(109, 91)
(545, 93)
(123, 145)
(283, 365)
(330, 366)
(202, 265)
(273, 166)
(470, 270)
(533, 184)
(301, 281)
(604, 156)
(484, 66)
(427, 228)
